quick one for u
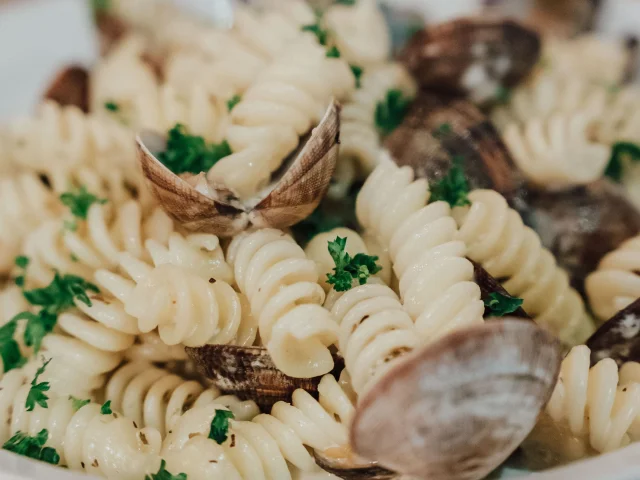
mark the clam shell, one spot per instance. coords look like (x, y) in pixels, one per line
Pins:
(422, 143)
(488, 285)
(110, 30)
(343, 467)
(581, 225)
(618, 337)
(291, 199)
(70, 87)
(456, 409)
(249, 373)
(478, 57)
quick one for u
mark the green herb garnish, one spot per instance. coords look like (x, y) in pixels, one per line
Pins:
(22, 263)
(77, 403)
(233, 101)
(391, 111)
(220, 426)
(333, 52)
(190, 153)
(33, 447)
(501, 305)
(357, 73)
(9, 348)
(349, 3)
(503, 94)
(619, 152)
(37, 391)
(79, 201)
(60, 294)
(360, 267)
(38, 326)
(112, 106)
(320, 33)
(443, 130)
(453, 188)
(163, 474)
(105, 409)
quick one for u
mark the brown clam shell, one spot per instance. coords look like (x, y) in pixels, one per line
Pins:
(461, 405)
(111, 29)
(581, 225)
(342, 466)
(249, 373)
(70, 87)
(293, 197)
(478, 57)
(618, 337)
(488, 285)
(423, 143)
(564, 18)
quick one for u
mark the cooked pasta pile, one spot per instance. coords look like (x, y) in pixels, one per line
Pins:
(102, 289)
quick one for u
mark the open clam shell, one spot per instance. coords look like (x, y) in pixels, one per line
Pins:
(70, 87)
(478, 57)
(249, 373)
(456, 409)
(438, 129)
(203, 207)
(618, 337)
(581, 225)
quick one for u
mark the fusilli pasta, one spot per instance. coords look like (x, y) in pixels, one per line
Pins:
(435, 279)
(616, 283)
(512, 253)
(263, 448)
(281, 284)
(153, 397)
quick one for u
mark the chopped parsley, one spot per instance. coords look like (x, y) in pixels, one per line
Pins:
(163, 474)
(501, 305)
(357, 73)
(503, 94)
(38, 326)
(453, 188)
(391, 111)
(321, 34)
(233, 101)
(22, 263)
(333, 52)
(443, 130)
(33, 447)
(60, 294)
(37, 391)
(79, 201)
(220, 426)
(105, 409)
(360, 267)
(349, 3)
(190, 153)
(77, 403)
(9, 348)
(112, 106)
(619, 152)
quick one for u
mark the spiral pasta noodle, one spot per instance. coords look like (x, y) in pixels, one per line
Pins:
(107, 445)
(154, 397)
(148, 347)
(557, 152)
(286, 100)
(435, 279)
(261, 449)
(593, 404)
(498, 240)
(359, 137)
(615, 284)
(281, 284)
(25, 202)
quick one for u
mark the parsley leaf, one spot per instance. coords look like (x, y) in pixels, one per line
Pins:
(391, 111)
(79, 201)
(77, 403)
(333, 52)
(22, 263)
(36, 392)
(357, 73)
(33, 447)
(501, 305)
(233, 101)
(503, 94)
(105, 409)
(220, 426)
(453, 188)
(9, 348)
(320, 33)
(163, 474)
(190, 153)
(443, 130)
(38, 326)
(101, 5)
(112, 106)
(349, 3)
(619, 152)
(59, 295)
(360, 267)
